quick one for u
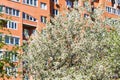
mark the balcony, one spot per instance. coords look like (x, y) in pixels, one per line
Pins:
(28, 30)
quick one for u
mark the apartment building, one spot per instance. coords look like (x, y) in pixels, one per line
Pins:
(22, 18)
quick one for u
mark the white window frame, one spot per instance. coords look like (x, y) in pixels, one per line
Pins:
(55, 12)
(12, 12)
(11, 71)
(3, 9)
(10, 26)
(33, 2)
(33, 19)
(14, 43)
(13, 56)
(43, 19)
(117, 11)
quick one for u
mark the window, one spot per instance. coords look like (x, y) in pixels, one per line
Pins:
(118, 2)
(113, 10)
(43, 6)
(1, 55)
(86, 16)
(7, 39)
(17, 41)
(28, 17)
(25, 70)
(43, 19)
(17, 13)
(55, 12)
(12, 56)
(6, 10)
(11, 25)
(69, 3)
(12, 40)
(11, 71)
(31, 2)
(12, 11)
(8, 71)
(55, 1)
(0, 37)
(118, 11)
(25, 77)
(34, 31)
(1, 8)
(115, 1)
(108, 9)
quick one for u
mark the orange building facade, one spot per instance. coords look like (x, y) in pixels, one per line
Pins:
(21, 19)
(111, 7)
(24, 17)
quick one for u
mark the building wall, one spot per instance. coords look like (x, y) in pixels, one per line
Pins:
(25, 24)
(34, 11)
(114, 8)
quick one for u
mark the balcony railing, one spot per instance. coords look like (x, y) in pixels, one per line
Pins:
(113, 10)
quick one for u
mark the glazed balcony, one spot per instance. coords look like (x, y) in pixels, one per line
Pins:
(28, 30)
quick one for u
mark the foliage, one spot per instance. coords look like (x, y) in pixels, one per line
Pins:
(3, 23)
(72, 47)
(5, 59)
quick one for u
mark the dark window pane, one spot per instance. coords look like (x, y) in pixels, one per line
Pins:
(7, 39)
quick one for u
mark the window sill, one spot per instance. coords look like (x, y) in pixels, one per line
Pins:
(15, 1)
(12, 44)
(43, 9)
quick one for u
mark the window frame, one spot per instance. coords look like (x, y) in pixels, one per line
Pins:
(43, 19)
(55, 12)
(12, 25)
(14, 41)
(9, 11)
(28, 17)
(28, 2)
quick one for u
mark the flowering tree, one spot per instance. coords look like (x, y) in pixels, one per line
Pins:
(72, 47)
